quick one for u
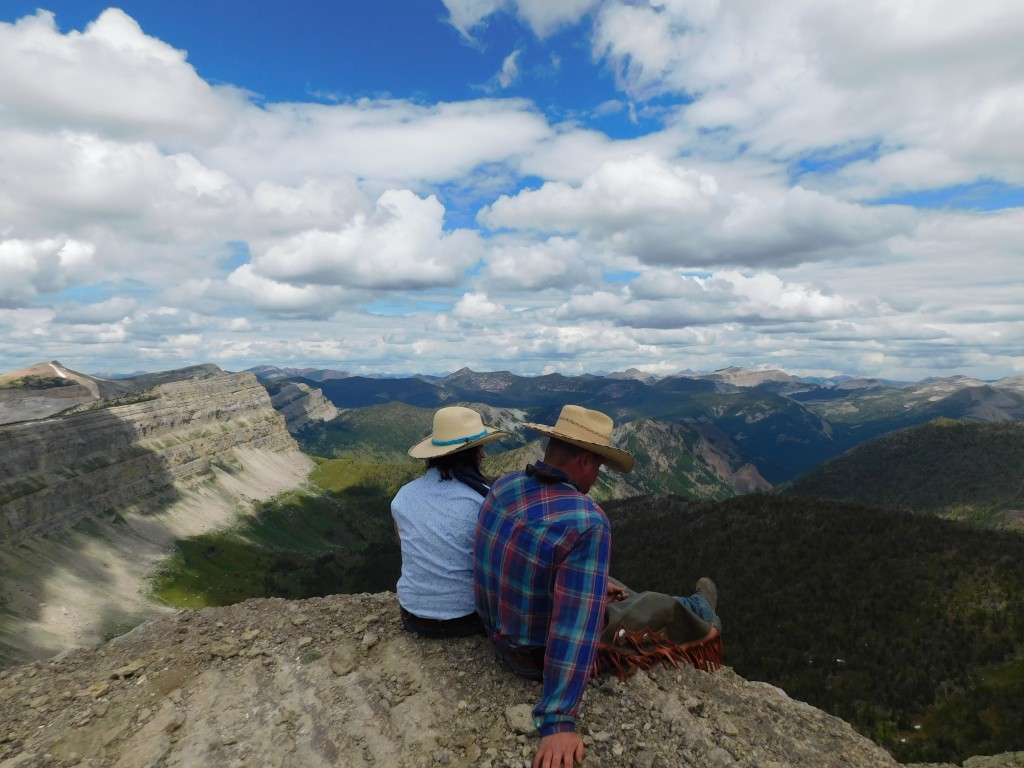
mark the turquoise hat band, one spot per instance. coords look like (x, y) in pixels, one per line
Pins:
(458, 440)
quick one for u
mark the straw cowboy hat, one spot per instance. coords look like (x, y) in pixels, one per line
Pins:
(587, 429)
(455, 429)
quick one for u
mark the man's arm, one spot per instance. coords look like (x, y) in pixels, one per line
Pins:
(576, 623)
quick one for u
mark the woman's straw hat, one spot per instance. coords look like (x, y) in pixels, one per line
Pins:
(587, 429)
(455, 429)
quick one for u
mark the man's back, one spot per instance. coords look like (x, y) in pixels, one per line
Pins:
(540, 569)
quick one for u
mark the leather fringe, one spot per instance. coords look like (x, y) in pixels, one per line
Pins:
(644, 648)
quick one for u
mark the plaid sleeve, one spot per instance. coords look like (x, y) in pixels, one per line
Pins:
(579, 589)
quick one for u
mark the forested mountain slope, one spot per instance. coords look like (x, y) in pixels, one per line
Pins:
(959, 469)
(887, 619)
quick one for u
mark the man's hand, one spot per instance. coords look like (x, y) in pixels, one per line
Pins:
(615, 592)
(559, 749)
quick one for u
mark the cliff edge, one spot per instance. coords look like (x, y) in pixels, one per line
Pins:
(91, 502)
(57, 471)
(300, 404)
(336, 682)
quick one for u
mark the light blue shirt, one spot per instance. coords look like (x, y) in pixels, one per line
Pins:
(436, 521)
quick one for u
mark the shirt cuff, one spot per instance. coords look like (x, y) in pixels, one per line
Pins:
(557, 726)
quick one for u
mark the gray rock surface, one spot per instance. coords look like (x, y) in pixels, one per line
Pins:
(336, 682)
(301, 404)
(1006, 760)
(18, 405)
(57, 471)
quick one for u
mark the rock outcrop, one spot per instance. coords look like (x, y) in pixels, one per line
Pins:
(42, 390)
(55, 472)
(336, 682)
(1006, 760)
(695, 455)
(92, 503)
(300, 404)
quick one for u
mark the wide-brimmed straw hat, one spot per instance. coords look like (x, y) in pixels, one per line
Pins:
(587, 429)
(455, 429)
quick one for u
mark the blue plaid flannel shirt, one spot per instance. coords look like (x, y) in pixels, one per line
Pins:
(541, 558)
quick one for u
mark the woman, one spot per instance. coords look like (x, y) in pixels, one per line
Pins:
(435, 519)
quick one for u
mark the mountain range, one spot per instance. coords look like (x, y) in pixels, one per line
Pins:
(698, 436)
(780, 425)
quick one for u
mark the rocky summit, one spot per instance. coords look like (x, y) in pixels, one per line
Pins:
(335, 681)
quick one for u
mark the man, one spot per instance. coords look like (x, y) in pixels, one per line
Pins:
(541, 555)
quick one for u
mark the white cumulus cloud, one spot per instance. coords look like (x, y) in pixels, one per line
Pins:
(542, 16)
(401, 244)
(554, 263)
(31, 267)
(667, 214)
(112, 78)
(827, 81)
(476, 308)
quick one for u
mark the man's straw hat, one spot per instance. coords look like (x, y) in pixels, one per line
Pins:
(591, 430)
(455, 429)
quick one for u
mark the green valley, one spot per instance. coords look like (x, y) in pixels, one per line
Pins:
(333, 537)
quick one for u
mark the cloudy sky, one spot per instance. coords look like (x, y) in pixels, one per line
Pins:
(394, 186)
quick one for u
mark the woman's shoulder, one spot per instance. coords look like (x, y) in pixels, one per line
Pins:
(416, 486)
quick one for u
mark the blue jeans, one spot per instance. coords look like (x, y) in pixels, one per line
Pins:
(698, 605)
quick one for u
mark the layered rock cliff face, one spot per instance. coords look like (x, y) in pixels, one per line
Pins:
(91, 504)
(300, 404)
(336, 682)
(55, 472)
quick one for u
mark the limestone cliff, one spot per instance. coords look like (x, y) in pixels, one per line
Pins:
(300, 404)
(57, 471)
(91, 503)
(336, 682)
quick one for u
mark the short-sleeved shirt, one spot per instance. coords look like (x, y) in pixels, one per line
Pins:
(436, 520)
(541, 569)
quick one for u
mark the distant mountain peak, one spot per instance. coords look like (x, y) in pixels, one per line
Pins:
(493, 382)
(52, 369)
(745, 377)
(634, 374)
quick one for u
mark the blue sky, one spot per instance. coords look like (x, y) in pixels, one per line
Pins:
(410, 186)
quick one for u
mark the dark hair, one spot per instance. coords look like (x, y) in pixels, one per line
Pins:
(450, 464)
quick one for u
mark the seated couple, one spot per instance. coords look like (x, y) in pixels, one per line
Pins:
(529, 567)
